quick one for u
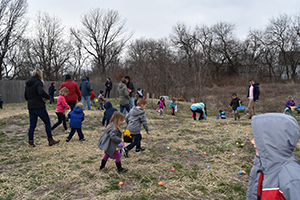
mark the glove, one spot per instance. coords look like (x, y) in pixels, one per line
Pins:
(79, 99)
(206, 114)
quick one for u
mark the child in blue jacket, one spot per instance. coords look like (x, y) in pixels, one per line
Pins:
(109, 111)
(172, 106)
(76, 118)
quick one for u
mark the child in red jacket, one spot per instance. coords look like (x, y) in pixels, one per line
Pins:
(60, 109)
(92, 97)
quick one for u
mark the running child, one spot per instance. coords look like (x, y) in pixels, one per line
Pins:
(161, 104)
(172, 106)
(76, 119)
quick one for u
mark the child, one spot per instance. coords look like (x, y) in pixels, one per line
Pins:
(277, 174)
(109, 111)
(110, 139)
(92, 97)
(172, 106)
(140, 93)
(235, 102)
(1, 101)
(161, 104)
(222, 114)
(101, 100)
(52, 92)
(76, 118)
(134, 119)
(60, 109)
(136, 99)
(199, 108)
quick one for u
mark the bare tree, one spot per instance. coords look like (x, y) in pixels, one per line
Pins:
(103, 36)
(12, 27)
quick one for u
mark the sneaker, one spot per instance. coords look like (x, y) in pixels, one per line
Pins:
(139, 150)
(67, 140)
(125, 153)
(239, 117)
(67, 132)
(82, 139)
(122, 170)
(234, 119)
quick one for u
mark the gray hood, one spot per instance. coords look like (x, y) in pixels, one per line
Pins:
(276, 136)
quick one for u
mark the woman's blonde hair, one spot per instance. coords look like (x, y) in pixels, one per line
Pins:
(116, 118)
(63, 90)
(38, 73)
(290, 97)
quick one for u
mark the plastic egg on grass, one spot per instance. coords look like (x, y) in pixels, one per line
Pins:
(204, 153)
(227, 131)
(191, 150)
(246, 130)
(239, 131)
(176, 125)
(233, 154)
(205, 128)
(237, 143)
(219, 123)
(168, 148)
(242, 145)
(227, 123)
(223, 126)
(160, 183)
(121, 183)
(208, 167)
(239, 125)
(173, 170)
(247, 135)
(243, 172)
(228, 144)
(240, 172)
(228, 156)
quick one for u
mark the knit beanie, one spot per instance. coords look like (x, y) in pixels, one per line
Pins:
(68, 76)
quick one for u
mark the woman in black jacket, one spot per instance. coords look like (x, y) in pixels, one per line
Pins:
(36, 97)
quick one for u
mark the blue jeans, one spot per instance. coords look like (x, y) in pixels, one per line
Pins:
(33, 117)
(88, 100)
(101, 106)
(131, 102)
(126, 107)
(79, 132)
(136, 142)
(51, 99)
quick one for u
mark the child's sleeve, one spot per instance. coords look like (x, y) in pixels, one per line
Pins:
(114, 136)
(64, 104)
(231, 103)
(103, 120)
(82, 118)
(69, 115)
(165, 104)
(144, 122)
(158, 103)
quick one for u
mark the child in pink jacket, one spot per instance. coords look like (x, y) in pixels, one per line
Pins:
(60, 109)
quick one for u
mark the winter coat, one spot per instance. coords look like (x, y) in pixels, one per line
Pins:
(256, 91)
(276, 136)
(222, 115)
(123, 94)
(100, 98)
(173, 104)
(51, 90)
(200, 106)
(73, 90)
(108, 85)
(61, 104)
(93, 95)
(134, 119)
(76, 117)
(131, 87)
(235, 103)
(35, 93)
(290, 103)
(161, 104)
(254, 178)
(109, 111)
(110, 139)
(85, 87)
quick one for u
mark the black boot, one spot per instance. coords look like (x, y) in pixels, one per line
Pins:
(119, 166)
(103, 163)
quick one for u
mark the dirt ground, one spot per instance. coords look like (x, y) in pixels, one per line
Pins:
(71, 170)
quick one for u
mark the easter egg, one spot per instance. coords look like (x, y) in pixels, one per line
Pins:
(233, 154)
(242, 145)
(227, 123)
(191, 150)
(223, 126)
(208, 167)
(237, 143)
(239, 125)
(168, 148)
(228, 144)
(160, 183)
(173, 170)
(204, 153)
(176, 120)
(228, 156)
(247, 135)
(227, 131)
(219, 123)
(176, 125)
(239, 131)
(243, 172)
(121, 183)
(205, 128)
(246, 129)
(12, 120)
(194, 126)
(240, 172)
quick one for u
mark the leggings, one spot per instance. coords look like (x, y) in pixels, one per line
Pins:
(61, 119)
(116, 154)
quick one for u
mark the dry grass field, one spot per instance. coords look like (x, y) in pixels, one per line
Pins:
(71, 170)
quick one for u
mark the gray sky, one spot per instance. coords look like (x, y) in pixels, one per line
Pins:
(154, 19)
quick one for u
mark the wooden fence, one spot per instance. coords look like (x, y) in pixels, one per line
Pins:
(13, 91)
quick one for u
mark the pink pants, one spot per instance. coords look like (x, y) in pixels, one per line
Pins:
(116, 154)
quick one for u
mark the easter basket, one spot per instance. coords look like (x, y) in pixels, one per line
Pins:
(241, 109)
(127, 137)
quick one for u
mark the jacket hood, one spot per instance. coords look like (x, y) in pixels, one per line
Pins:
(122, 85)
(135, 111)
(78, 110)
(107, 105)
(84, 79)
(32, 80)
(276, 136)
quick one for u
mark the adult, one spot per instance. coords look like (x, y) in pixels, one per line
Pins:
(123, 96)
(108, 85)
(131, 90)
(51, 93)
(85, 88)
(253, 95)
(74, 92)
(199, 108)
(37, 97)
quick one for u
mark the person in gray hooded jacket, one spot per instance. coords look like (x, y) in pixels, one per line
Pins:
(134, 119)
(278, 171)
(123, 96)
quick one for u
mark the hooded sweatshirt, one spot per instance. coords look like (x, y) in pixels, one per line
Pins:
(34, 93)
(85, 87)
(76, 117)
(123, 94)
(276, 136)
(109, 111)
(134, 119)
(200, 106)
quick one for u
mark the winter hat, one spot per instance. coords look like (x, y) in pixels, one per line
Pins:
(193, 108)
(127, 77)
(101, 91)
(68, 76)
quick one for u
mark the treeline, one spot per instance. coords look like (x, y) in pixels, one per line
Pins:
(182, 64)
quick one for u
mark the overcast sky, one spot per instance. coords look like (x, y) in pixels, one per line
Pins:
(154, 19)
